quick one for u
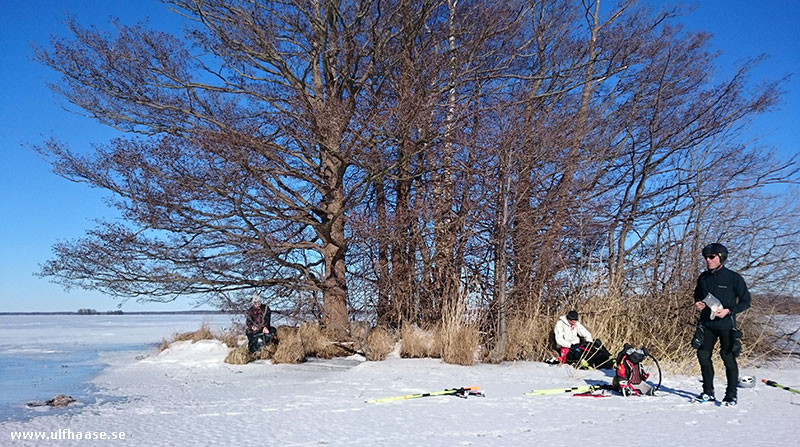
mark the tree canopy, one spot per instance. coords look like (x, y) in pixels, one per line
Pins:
(401, 159)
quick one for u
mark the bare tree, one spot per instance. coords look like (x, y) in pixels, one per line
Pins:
(679, 129)
(399, 158)
(251, 128)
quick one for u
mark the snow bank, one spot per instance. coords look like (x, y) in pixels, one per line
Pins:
(188, 354)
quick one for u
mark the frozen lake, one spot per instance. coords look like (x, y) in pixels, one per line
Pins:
(45, 355)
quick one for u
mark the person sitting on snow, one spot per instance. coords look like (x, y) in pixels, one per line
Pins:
(257, 325)
(569, 332)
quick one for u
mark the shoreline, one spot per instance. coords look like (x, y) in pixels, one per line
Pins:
(41, 357)
(82, 387)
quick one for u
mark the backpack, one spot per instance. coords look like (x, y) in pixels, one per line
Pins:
(630, 378)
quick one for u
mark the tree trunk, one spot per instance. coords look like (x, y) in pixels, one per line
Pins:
(385, 313)
(500, 301)
(334, 287)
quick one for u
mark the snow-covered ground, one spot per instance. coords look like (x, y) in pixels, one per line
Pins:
(44, 355)
(187, 395)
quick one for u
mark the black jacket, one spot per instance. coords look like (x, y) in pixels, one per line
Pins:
(259, 317)
(729, 288)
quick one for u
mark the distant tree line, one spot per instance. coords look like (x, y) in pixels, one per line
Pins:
(405, 160)
(87, 311)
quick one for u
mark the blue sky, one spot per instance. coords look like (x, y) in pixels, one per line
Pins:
(38, 208)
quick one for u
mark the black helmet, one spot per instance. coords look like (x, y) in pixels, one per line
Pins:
(716, 249)
(572, 315)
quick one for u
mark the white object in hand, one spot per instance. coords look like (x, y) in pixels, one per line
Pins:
(714, 303)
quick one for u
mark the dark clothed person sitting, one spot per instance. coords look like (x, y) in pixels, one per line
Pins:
(258, 329)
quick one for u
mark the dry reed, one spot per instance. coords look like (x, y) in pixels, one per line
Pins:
(239, 356)
(312, 338)
(231, 338)
(529, 338)
(458, 342)
(203, 333)
(290, 346)
(359, 332)
(664, 325)
(416, 343)
(317, 344)
(457, 337)
(267, 352)
(379, 344)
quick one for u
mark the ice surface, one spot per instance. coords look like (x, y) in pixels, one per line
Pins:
(45, 355)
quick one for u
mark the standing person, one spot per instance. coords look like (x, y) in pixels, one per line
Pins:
(569, 332)
(719, 322)
(257, 325)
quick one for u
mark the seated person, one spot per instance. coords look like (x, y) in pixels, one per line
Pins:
(257, 325)
(575, 343)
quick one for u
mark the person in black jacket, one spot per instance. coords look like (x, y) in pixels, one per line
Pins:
(257, 325)
(718, 319)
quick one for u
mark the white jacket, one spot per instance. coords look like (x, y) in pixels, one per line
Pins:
(568, 335)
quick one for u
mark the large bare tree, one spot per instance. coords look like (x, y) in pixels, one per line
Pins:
(407, 158)
(250, 135)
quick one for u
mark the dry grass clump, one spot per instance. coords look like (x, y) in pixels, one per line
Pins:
(239, 356)
(416, 342)
(663, 325)
(296, 344)
(336, 349)
(230, 337)
(290, 346)
(313, 339)
(203, 333)
(359, 332)
(766, 336)
(379, 344)
(164, 345)
(317, 344)
(267, 352)
(458, 342)
(530, 337)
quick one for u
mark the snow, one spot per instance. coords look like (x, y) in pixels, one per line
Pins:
(45, 355)
(187, 395)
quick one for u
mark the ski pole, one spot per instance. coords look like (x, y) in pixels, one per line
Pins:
(778, 385)
(575, 389)
(461, 392)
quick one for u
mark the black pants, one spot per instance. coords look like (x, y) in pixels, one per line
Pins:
(707, 367)
(595, 354)
(257, 340)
